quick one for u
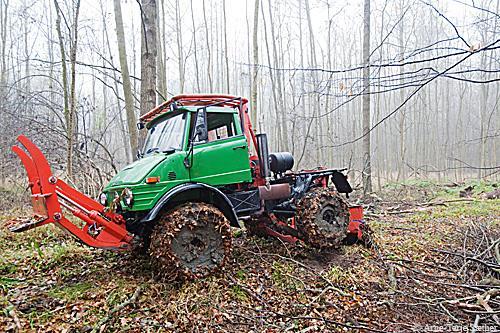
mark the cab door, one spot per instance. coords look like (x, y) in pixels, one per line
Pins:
(223, 158)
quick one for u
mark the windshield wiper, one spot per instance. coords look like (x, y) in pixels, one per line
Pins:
(169, 150)
(151, 150)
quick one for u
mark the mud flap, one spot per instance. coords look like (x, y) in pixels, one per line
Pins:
(341, 183)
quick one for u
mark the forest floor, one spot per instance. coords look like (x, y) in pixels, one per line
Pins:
(436, 268)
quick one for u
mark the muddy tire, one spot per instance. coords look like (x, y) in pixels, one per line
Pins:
(190, 241)
(323, 218)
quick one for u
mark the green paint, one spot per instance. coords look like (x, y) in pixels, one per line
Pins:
(219, 162)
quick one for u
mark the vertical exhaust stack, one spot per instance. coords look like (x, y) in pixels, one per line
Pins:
(265, 172)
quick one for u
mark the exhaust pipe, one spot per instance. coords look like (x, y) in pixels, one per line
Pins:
(265, 172)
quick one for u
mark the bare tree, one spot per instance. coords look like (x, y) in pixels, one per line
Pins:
(127, 87)
(255, 75)
(209, 52)
(197, 70)
(226, 56)
(148, 55)
(180, 48)
(367, 168)
(161, 70)
(70, 101)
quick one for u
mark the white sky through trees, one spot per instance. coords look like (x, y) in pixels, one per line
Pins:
(447, 123)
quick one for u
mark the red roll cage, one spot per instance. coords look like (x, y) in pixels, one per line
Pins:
(202, 100)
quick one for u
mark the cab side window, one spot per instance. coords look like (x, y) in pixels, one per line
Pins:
(220, 126)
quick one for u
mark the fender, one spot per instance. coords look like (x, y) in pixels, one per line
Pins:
(196, 192)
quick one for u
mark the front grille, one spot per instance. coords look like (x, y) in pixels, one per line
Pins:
(172, 175)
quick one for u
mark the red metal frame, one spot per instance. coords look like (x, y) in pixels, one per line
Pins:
(195, 100)
(49, 194)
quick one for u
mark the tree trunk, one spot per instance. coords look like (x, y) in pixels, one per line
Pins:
(197, 71)
(127, 87)
(253, 102)
(63, 62)
(226, 57)
(72, 119)
(282, 118)
(161, 72)
(148, 57)
(209, 55)
(367, 172)
(180, 48)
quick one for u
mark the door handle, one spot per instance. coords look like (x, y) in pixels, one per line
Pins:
(239, 147)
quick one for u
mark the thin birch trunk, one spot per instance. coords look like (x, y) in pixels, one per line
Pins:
(127, 86)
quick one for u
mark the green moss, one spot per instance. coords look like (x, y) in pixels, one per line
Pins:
(340, 276)
(469, 209)
(7, 268)
(238, 293)
(6, 283)
(39, 318)
(282, 277)
(70, 292)
(240, 274)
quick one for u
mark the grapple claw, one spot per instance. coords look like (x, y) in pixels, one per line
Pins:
(21, 224)
(49, 195)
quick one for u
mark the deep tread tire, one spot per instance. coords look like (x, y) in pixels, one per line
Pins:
(191, 241)
(323, 218)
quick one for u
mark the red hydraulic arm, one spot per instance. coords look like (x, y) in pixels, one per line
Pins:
(49, 195)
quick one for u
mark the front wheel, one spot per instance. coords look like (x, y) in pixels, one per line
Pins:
(192, 240)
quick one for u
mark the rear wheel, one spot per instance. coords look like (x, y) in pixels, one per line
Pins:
(323, 218)
(191, 241)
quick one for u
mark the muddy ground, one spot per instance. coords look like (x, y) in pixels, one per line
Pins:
(436, 268)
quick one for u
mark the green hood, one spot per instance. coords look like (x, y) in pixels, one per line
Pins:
(134, 173)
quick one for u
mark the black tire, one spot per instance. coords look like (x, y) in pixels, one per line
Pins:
(191, 241)
(323, 218)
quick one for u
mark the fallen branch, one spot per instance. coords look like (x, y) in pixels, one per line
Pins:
(492, 266)
(444, 202)
(116, 309)
(307, 268)
(247, 289)
(483, 301)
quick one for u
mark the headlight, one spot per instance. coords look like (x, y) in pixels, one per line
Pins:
(128, 197)
(103, 199)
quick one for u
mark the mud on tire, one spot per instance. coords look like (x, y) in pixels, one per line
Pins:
(323, 218)
(191, 241)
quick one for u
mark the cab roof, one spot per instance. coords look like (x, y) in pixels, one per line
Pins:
(194, 102)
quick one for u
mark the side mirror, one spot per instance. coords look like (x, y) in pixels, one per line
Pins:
(200, 128)
(140, 126)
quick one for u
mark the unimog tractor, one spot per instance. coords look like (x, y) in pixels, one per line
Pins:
(202, 171)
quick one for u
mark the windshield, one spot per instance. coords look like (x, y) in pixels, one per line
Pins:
(165, 135)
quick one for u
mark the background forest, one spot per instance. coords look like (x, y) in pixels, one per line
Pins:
(428, 77)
